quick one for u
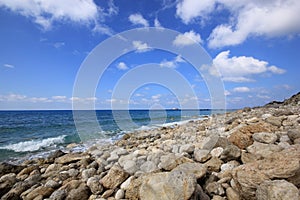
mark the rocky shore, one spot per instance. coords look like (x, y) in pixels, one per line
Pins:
(253, 153)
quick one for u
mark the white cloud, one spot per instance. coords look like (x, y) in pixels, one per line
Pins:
(138, 19)
(187, 10)
(9, 66)
(246, 18)
(188, 38)
(276, 70)
(59, 98)
(227, 93)
(45, 13)
(157, 23)
(172, 63)
(122, 66)
(238, 69)
(140, 46)
(241, 89)
(58, 44)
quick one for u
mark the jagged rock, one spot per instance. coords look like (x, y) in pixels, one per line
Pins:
(284, 164)
(277, 189)
(214, 164)
(6, 182)
(69, 158)
(188, 148)
(52, 184)
(201, 155)
(232, 194)
(80, 193)
(116, 175)
(175, 185)
(170, 161)
(268, 138)
(199, 194)
(215, 188)
(248, 157)
(263, 150)
(94, 184)
(196, 169)
(231, 152)
(243, 136)
(276, 121)
(294, 134)
(40, 192)
(229, 166)
(6, 168)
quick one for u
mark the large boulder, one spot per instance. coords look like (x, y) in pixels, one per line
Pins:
(243, 136)
(277, 189)
(278, 165)
(175, 185)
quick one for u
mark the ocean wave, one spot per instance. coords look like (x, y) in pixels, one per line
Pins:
(34, 145)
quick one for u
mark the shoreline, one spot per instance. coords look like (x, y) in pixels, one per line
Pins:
(254, 153)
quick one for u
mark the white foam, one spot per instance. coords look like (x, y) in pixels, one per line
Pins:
(34, 145)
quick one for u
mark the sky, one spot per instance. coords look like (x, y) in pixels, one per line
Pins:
(254, 46)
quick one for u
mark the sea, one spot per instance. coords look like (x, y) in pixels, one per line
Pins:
(30, 134)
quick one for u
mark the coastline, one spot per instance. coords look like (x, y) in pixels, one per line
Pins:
(245, 154)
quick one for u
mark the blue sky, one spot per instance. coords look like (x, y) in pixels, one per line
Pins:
(255, 45)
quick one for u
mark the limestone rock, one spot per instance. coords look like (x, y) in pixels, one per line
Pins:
(175, 185)
(69, 158)
(214, 164)
(80, 193)
(268, 138)
(87, 173)
(120, 194)
(40, 191)
(277, 189)
(170, 161)
(6, 182)
(148, 167)
(215, 188)
(294, 134)
(232, 194)
(196, 169)
(201, 155)
(216, 152)
(263, 150)
(276, 121)
(231, 152)
(116, 175)
(94, 184)
(243, 136)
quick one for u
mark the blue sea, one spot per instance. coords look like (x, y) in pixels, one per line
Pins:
(28, 134)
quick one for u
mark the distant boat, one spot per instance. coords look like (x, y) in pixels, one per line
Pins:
(175, 108)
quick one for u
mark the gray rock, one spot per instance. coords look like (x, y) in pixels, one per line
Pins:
(52, 184)
(264, 137)
(196, 169)
(94, 184)
(232, 194)
(130, 167)
(231, 152)
(201, 155)
(294, 134)
(148, 167)
(170, 161)
(175, 185)
(188, 148)
(58, 195)
(87, 173)
(80, 193)
(69, 158)
(229, 166)
(276, 121)
(216, 152)
(6, 182)
(277, 189)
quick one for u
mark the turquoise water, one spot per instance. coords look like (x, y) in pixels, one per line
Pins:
(28, 133)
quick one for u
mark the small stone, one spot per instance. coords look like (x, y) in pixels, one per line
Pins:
(216, 152)
(277, 189)
(148, 167)
(107, 193)
(87, 173)
(130, 167)
(214, 164)
(188, 148)
(231, 152)
(232, 194)
(196, 169)
(125, 184)
(52, 184)
(94, 184)
(115, 176)
(120, 194)
(69, 158)
(229, 166)
(215, 188)
(294, 134)
(80, 193)
(268, 138)
(170, 161)
(276, 121)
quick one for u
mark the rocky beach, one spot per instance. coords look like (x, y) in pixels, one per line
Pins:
(252, 153)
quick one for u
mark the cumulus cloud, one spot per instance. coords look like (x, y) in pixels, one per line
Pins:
(171, 63)
(187, 10)
(122, 66)
(247, 19)
(240, 69)
(241, 89)
(157, 23)
(140, 46)
(138, 19)
(187, 38)
(45, 12)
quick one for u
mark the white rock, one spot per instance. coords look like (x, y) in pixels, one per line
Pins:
(125, 184)
(216, 152)
(268, 138)
(120, 194)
